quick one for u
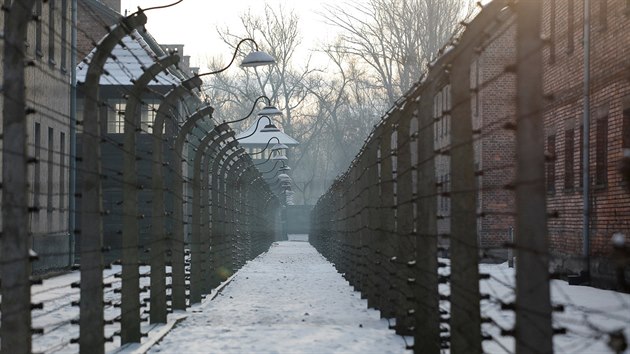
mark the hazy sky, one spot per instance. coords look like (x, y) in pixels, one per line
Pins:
(194, 23)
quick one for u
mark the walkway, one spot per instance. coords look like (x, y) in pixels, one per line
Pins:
(288, 300)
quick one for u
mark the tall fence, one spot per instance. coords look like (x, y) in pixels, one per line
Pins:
(183, 205)
(457, 174)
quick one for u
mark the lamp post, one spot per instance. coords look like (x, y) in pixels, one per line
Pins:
(253, 59)
(276, 150)
(268, 110)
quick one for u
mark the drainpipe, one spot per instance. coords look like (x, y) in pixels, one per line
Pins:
(73, 137)
(585, 276)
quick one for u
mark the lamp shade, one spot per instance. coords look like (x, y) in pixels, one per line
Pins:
(270, 111)
(279, 147)
(257, 59)
(279, 157)
(270, 128)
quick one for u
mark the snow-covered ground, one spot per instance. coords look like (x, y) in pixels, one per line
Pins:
(589, 315)
(290, 300)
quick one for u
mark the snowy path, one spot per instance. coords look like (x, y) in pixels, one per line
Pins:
(289, 300)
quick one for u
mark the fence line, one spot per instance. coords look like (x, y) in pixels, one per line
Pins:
(115, 302)
(402, 223)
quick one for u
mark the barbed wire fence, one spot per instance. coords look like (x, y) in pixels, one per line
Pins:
(402, 223)
(149, 266)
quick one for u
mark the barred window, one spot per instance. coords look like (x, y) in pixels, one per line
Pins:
(51, 32)
(148, 114)
(50, 168)
(625, 142)
(581, 180)
(570, 26)
(601, 152)
(551, 164)
(116, 116)
(552, 32)
(38, 29)
(603, 14)
(37, 173)
(569, 155)
(64, 34)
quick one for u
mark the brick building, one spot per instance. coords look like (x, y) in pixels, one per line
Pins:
(493, 113)
(47, 80)
(492, 106)
(609, 117)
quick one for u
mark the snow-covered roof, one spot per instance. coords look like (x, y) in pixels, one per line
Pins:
(131, 59)
(262, 138)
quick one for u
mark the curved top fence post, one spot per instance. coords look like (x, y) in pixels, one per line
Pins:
(130, 294)
(157, 310)
(15, 329)
(178, 290)
(91, 336)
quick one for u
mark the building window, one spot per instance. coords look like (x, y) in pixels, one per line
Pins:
(552, 32)
(50, 172)
(51, 32)
(7, 5)
(569, 155)
(37, 170)
(64, 34)
(581, 172)
(62, 176)
(38, 29)
(601, 152)
(625, 131)
(147, 117)
(570, 26)
(625, 136)
(116, 116)
(551, 164)
(436, 116)
(603, 14)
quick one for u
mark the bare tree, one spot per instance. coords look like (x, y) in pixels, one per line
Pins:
(289, 86)
(396, 38)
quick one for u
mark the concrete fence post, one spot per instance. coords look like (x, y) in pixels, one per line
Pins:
(215, 137)
(405, 222)
(218, 198)
(15, 271)
(377, 288)
(533, 308)
(178, 299)
(427, 330)
(130, 288)
(168, 109)
(465, 299)
(91, 319)
(387, 232)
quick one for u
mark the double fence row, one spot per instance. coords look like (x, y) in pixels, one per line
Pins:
(383, 222)
(196, 179)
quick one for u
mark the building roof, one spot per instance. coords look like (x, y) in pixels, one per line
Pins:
(132, 58)
(262, 138)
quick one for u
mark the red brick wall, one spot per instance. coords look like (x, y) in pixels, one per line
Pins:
(563, 82)
(91, 25)
(610, 49)
(494, 107)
